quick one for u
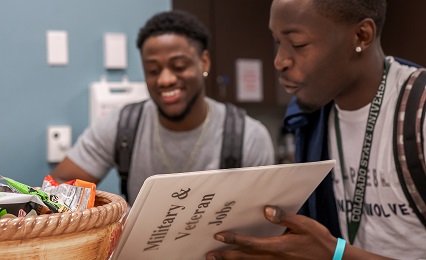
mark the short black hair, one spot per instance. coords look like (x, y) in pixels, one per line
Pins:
(177, 22)
(353, 11)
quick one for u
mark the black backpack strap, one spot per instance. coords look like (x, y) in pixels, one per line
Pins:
(233, 137)
(126, 134)
(408, 142)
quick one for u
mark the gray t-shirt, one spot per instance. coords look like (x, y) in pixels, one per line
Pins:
(158, 150)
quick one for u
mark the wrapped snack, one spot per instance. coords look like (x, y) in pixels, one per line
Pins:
(90, 188)
(20, 205)
(75, 194)
(50, 201)
(5, 188)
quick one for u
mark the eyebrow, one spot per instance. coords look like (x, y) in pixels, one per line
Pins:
(288, 31)
(179, 56)
(172, 59)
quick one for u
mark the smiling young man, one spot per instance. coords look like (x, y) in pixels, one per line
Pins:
(180, 129)
(329, 56)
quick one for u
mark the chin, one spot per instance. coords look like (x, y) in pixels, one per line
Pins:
(306, 106)
(174, 115)
(185, 110)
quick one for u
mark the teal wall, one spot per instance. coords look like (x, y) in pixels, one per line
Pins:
(34, 95)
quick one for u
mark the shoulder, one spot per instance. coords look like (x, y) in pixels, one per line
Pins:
(107, 122)
(397, 76)
(216, 106)
(147, 105)
(149, 111)
(251, 124)
(129, 117)
(254, 127)
(399, 71)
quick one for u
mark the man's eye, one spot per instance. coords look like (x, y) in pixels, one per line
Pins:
(299, 45)
(152, 72)
(179, 68)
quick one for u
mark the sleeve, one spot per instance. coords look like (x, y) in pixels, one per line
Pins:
(258, 148)
(95, 147)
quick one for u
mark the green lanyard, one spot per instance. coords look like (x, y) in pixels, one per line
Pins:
(361, 181)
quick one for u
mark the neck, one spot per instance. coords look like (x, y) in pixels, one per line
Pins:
(368, 76)
(195, 118)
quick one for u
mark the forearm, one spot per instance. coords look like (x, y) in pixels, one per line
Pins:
(68, 170)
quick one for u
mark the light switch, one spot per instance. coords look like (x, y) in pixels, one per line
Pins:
(58, 142)
(115, 50)
(57, 48)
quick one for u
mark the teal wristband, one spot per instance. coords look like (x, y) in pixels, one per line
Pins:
(340, 248)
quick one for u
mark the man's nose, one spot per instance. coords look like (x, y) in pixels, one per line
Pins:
(166, 78)
(282, 60)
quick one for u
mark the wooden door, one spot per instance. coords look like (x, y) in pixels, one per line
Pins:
(239, 30)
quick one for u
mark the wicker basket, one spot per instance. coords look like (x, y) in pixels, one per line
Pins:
(88, 234)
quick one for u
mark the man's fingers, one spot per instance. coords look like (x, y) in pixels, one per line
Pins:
(236, 254)
(232, 254)
(235, 239)
(265, 245)
(297, 223)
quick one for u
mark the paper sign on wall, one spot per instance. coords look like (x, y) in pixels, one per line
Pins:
(57, 48)
(249, 80)
(115, 50)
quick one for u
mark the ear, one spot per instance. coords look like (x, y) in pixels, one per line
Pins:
(205, 61)
(366, 33)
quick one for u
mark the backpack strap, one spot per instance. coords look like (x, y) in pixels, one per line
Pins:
(233, 137)
(126, 134)
(408, 141)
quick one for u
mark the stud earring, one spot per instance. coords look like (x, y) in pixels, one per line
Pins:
(358, 49)
(205, 74)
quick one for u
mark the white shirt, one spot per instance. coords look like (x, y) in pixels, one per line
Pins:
(388, 226)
